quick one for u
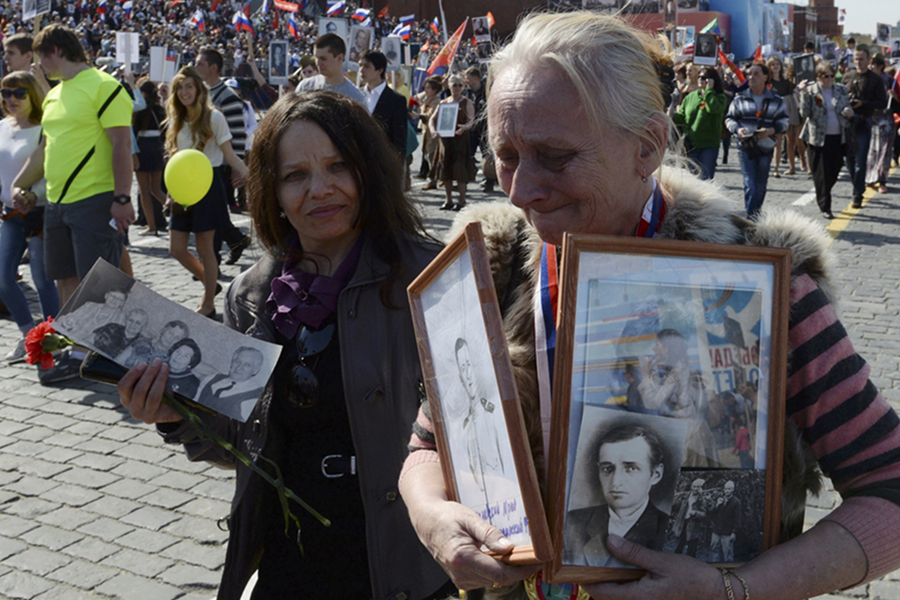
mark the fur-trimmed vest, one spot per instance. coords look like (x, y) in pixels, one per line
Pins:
(696, 211)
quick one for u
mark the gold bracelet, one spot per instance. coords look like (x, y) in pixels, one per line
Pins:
(743, 583)
(728, 591)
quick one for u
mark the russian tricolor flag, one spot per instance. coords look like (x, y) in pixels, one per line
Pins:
(336, 8)
(241, 22)
(126, 6)
(361, 14)
(404, 32)
(197, 21)
(436, 26)
(101, 7)
(292, 27)
(407, 19)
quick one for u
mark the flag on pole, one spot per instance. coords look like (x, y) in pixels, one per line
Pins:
(442, 61)
(490, 18)
(688, 49)
(738, 74)
(292, 27)
(407, 19)
(405, 32)
(246, 8)
(212, 6)
(436, 26)
(197, 21)
(126, 6)
(336, 8)
(842, 16)
(757, 56)
(361, 14)
(241, 22)
(265, 7)
(384, 12)
(101, 7)
(711, 27)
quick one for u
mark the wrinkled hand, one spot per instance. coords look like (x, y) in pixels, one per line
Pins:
(141, 391)
(670, 576)
(454, 535)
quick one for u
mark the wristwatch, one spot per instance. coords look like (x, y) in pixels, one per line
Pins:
(123, 199)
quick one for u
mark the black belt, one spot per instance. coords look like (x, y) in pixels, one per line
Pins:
(337, 465)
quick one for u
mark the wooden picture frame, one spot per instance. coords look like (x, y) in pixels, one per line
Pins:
(448, 113)
(651, 331)
(479, 427)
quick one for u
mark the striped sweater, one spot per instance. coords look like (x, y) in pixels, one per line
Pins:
(840, 415)
(230, 104)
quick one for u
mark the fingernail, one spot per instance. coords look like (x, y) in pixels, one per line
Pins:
(156, 362)
(505, 542)
(141, 366)
(615, 541)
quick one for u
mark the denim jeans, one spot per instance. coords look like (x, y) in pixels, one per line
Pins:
(863, 134)
(756, 177)
(707, 158)
(12, 248)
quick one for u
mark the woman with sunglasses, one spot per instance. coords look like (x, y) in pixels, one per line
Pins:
(457, 163)
(325, 191)
(22, 224)
(702, 115)
(825, 106)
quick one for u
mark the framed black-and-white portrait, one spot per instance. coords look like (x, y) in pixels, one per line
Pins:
(883, 37)
(679, 350)
(484, 51)
(479, 427)
(337, 26)
(829, 52)
(481, 29)
(446, 119)
(392, 47)
(127, 322)
(278, 62)
(706, 49)
(895, 48)
(805, 68)
(361, 39)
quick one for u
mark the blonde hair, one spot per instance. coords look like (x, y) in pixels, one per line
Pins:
(176, 112)
(609, 63)
(27, 81)
(772, 60)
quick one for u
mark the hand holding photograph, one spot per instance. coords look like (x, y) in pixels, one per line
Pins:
(127, 322)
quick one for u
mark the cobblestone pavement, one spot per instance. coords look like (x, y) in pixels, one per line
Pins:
(93, 505)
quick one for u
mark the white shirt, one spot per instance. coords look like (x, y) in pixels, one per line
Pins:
(212, 150)
(373, 96)
(16, 145)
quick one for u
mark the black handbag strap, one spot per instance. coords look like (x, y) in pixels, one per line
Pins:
(90, 153)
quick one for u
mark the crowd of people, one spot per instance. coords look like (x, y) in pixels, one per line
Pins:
(325, 177)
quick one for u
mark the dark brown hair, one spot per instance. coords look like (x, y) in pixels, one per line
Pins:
(386, 213)
(333, 43)
(60, 37)
(21, 42)
(211, 56)
(27, 81)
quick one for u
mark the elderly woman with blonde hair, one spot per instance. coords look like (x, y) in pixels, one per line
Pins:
(577, 123)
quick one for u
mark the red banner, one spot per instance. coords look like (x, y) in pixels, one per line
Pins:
(287, 6)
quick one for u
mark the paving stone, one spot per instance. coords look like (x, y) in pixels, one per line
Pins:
(25, 448)
(146, 454)
(67, 518)
(18, 584)
(147, 541)
(203, 531)
(14, 526)
(111, 506)
(131, 587)
(21, 401)
(42, 469)
(121, 434)
(7, 477)
(37, 561)
(139, 563)
(19, 415)
(87, 429)
(106, 529)
(97, 462)
(52, 422)
(152, 518)
(175, 480)
(66, 439)
(61, 593)
(10, 547)
(184, 576)
(73, 495)
(169, 499)
(83, 574)
(221, 490)
(141, 471)
(104, 415)
(31, 486)
(128, 488)
(210, 557)
(59, 455)
(98, 446)
(35, 433)
(91, 549)
(11, 427)
(29, 508)
(53, 538)
(87, 477)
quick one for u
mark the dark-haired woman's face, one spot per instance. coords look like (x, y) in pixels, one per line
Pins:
(186, 92)
(181, 358)
(315, 188)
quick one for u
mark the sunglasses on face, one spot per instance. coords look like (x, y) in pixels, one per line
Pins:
(18, 93)
(703, 78)
(305, 385)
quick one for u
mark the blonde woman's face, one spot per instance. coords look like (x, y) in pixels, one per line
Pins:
(187, 92)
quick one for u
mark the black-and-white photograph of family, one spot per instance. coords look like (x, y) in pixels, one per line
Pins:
(718, 515)
(470, 401)
(625, 470)
(126, 321)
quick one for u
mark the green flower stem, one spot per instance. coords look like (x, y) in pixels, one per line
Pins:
(284, 493)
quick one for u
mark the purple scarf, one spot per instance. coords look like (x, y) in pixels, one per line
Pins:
(302, 298)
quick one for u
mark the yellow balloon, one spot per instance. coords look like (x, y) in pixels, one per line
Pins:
(188, 177)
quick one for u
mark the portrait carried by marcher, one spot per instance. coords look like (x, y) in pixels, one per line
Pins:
(670, 402)
(127, 322)
(487, 465)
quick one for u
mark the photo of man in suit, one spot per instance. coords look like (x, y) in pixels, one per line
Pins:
(630, 461)
(387, 106)
(234, 394)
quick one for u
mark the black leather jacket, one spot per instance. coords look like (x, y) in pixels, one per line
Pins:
(381, 379)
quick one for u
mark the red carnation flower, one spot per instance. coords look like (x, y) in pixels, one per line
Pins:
(35, 345)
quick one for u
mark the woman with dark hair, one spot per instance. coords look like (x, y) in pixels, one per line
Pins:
(182, 358)
(147, 128)
(702, 113)
(456, 162)
(325, 191)
(781, 84)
